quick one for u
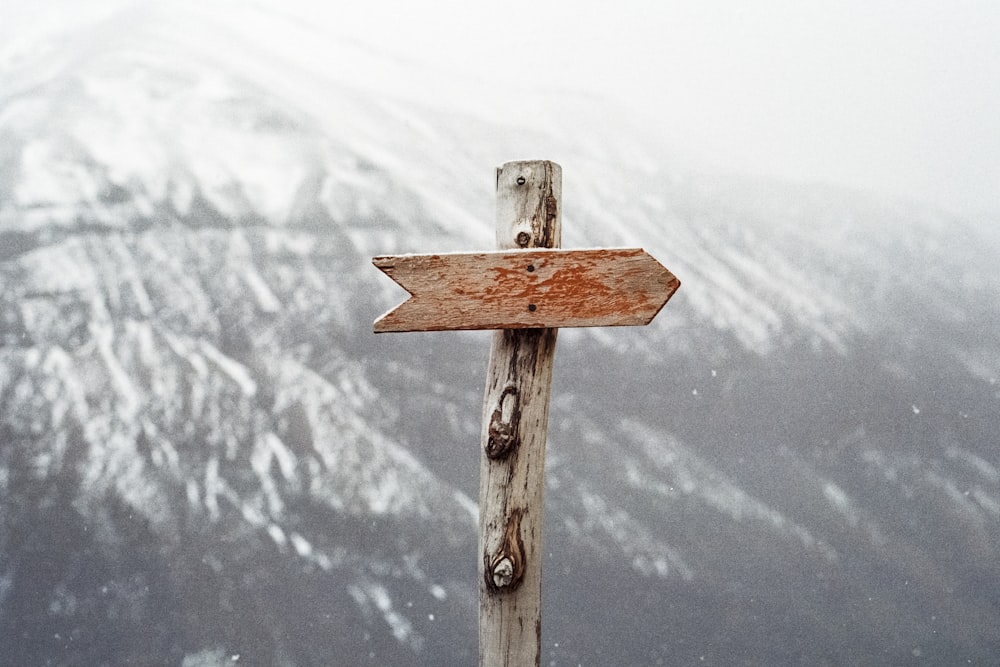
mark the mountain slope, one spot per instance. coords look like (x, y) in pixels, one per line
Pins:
(206, 454)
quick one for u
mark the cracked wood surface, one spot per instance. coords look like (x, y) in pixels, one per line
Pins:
(515, 420)
(520, 289)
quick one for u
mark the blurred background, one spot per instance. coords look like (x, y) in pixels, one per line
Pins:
(207, 458)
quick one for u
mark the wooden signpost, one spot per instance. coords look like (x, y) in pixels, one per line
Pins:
(525, 291)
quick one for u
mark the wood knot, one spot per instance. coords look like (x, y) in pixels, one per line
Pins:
(504, 571)
(503, 429)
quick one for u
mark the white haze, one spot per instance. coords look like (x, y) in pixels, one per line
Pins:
(895, 97)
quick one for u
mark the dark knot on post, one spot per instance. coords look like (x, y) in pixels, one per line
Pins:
(505, 569)
(503, 426)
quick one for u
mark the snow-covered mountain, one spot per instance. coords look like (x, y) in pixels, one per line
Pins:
(207, 458)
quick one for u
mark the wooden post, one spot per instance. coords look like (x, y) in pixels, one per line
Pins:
(515, 420)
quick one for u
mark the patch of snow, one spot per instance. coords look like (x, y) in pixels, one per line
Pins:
(252, 515)
(213, 486)
(128, 393)
(301, 545)
(236, 371)
(649, 556)
(689, 475)
(990, 503)
(193, 495)
(286, 241)
(277, 535)
(181, 346)
(268, 448)
(840, 501)
(371, 597)
(959, 500)
(987, 470)
(466, 503)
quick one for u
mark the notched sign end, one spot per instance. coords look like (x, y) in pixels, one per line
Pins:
(386, 323)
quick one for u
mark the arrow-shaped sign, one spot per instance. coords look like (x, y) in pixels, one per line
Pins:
(523, 289)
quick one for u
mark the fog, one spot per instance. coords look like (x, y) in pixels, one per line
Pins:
(896, 97)
(899, 97)
(206, 456)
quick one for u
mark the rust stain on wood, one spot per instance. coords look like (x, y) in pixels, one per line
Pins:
(535, 288)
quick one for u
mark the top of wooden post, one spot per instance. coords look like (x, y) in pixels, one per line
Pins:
(528, 283)
(526, 221)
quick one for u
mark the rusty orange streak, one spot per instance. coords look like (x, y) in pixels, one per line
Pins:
(528, 288)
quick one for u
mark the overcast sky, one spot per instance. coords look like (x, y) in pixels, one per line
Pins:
(901, 96)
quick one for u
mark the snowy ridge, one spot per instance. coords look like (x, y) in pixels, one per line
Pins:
(161, 391)
(137, 340)
(687, 475)
(204, 442)
(243, 126)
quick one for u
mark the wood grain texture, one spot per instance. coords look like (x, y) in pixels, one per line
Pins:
(526, 289)
(515, 421)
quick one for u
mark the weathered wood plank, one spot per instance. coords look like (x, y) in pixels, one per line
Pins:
(526, 289)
